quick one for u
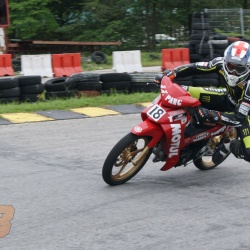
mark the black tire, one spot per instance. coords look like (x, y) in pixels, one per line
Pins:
(201, 26)
(143, 87)
(115, 77)
(29, 80)
(205, 162)
(7, 93)
(199, 37)
(200, 31)
(130, 147)
(8, 83)
(200, 20)
(60, 94)
(90, 85)
(29, 98)
(86, 81)
(32, 89)
(9, 100)
(117, 85)
(99, 57)
(60, 84)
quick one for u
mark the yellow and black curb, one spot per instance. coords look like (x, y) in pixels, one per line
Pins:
(77, 113)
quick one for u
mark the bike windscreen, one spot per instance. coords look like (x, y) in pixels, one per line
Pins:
(174, 96)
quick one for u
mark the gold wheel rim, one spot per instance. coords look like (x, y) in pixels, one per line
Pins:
(130, 159)
(214, 141)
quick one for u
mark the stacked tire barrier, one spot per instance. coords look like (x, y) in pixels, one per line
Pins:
(204, 48)
(21, 89)
(31, 88)
(9, 90)
(219, 43)
(61, 87)
(117, 82)
(199, 47)
(143, 83)
(87, 84)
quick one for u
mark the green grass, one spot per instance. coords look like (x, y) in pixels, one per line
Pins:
(66, 104)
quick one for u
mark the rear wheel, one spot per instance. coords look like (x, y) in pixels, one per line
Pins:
(205, 162)
(126, 159)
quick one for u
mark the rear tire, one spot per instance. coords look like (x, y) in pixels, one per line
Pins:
(126, 159)
(205, 162)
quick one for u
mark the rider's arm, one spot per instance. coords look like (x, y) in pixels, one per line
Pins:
(242, 109)
(198, 68)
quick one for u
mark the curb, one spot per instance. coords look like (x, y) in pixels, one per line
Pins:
(77, 113)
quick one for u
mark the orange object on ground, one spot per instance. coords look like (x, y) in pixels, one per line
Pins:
(66, 64)
(6, 68)
(172, 58)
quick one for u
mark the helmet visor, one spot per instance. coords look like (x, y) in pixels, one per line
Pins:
(238, 69)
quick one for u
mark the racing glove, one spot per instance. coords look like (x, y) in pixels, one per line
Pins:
(168, 72)
(206, 115)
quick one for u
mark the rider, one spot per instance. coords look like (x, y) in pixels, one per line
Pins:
(231, 106)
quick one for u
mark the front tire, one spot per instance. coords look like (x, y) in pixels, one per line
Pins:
(126, 159)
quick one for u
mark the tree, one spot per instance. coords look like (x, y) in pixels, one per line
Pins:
(30, 19)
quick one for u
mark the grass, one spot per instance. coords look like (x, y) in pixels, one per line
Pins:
(147, 59)
(66, 104)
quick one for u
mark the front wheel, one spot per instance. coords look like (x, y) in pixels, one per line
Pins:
(126, 159)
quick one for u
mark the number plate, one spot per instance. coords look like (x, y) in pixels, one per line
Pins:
(156, 112)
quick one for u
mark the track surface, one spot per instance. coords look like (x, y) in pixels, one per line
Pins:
(51, 175)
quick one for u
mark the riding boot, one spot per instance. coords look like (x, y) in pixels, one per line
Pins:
(221, 151)
(236, 149)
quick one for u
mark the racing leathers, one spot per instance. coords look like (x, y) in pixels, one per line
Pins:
(233, 103)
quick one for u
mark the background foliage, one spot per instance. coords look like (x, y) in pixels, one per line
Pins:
(134, 22)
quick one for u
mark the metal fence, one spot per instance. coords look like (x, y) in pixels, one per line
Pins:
(231, 22)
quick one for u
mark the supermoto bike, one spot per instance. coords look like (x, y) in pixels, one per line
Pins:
(171, 131)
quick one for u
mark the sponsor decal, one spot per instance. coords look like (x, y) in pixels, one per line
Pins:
(244, 109)
(245, 131)
(219, 131)
(200, 136)
(164, 91)
(175, 140)
(216, 90)
(202, 64)
(225, 119)
(137, 129)
(173, 100)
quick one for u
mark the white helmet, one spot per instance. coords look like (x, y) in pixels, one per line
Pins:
(236, 63)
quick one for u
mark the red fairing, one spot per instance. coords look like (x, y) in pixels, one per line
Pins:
(174, 96)
(148, 128)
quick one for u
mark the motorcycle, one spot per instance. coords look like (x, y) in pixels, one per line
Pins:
(171, 131)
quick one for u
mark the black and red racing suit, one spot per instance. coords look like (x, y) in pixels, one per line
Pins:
(233, 103)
